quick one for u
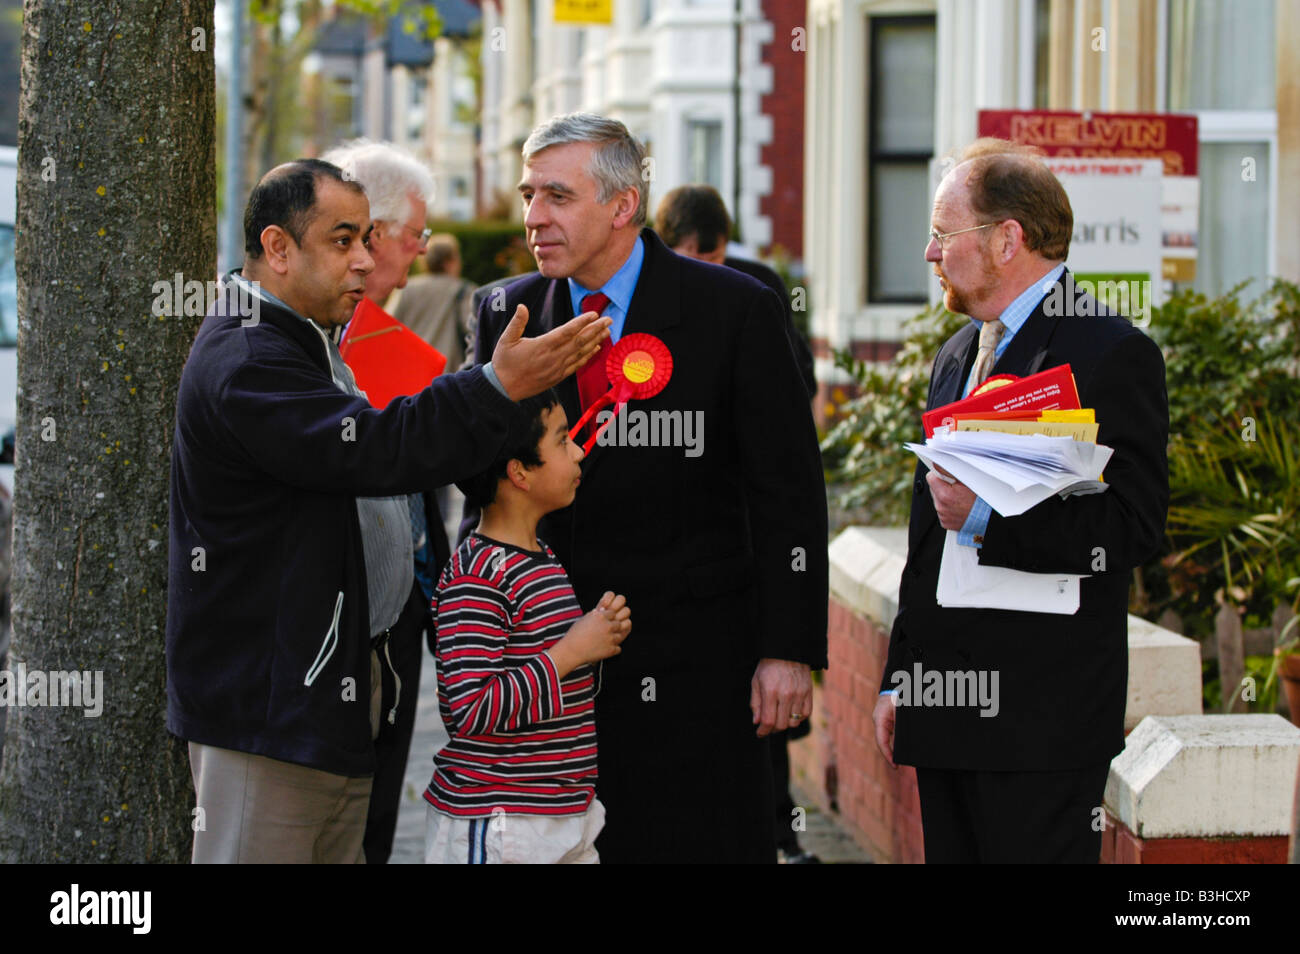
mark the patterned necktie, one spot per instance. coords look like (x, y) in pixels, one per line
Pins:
(990, 335)
(592, 380)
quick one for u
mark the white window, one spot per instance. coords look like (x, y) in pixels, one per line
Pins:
(1221, 66)
(704, 152)
(901, 143)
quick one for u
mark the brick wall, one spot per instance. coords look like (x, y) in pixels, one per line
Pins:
(1119, 846)
(785, 105)
(838, 762)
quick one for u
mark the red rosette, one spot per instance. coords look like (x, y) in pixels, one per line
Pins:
(639, 365)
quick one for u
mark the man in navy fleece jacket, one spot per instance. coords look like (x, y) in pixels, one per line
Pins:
(270, 673)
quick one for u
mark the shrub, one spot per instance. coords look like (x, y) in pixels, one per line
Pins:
(865, 460)
(490, 249)
(1234, 474)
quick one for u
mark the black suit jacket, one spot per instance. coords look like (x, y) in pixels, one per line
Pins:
(722, 557)
(798, 343)
(1062, 680)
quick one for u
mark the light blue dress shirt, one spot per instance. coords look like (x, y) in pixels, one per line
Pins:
(619, 290)
(1013, 317)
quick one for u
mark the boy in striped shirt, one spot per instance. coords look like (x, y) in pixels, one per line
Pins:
(516, 686)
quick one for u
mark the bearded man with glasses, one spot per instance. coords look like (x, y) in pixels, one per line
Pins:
(1023, 782)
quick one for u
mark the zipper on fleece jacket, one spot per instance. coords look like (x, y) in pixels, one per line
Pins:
(327, 648)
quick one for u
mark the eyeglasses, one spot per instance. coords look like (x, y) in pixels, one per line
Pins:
(423, 236)
(939, 237)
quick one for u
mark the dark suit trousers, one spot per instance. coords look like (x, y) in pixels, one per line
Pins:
(683, 784)
(971, 817)
(406, 649)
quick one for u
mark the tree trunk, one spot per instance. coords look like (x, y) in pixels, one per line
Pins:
(116, 191)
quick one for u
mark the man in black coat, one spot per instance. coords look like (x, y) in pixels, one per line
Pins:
(1021, 778)
(714, 530)
(693, 221)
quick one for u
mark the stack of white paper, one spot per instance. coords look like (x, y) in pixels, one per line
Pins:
(1011, 472)
(964, 582)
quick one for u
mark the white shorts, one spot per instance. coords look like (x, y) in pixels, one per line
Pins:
(513, 839)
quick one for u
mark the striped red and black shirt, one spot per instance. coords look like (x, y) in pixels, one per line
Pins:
(522, 740)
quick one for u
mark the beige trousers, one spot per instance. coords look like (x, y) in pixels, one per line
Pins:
(258, 810)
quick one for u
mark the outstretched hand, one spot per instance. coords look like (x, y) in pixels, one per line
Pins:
(528, 366)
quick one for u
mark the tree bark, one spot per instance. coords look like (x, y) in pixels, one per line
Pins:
(116, 191)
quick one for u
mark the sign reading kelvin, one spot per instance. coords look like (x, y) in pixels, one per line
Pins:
(1170, 138)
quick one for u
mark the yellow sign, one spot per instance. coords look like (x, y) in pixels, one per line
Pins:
(595, 12)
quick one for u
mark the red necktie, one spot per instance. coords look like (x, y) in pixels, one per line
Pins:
(592, 380)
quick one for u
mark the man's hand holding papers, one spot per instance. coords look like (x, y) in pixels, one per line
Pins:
(952, 499)
(1013, 472)
(1012, 459)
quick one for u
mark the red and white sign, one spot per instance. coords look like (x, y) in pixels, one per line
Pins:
(1168, 137)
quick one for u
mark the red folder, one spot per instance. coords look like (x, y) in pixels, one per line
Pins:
(1048, 390)
(387, 358)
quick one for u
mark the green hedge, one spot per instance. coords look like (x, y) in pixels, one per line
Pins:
(490, 249)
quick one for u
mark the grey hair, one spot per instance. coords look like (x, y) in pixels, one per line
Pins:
(388, 173)
(616, 164)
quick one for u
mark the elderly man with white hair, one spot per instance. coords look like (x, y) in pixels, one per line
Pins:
(399, 188)
(395, 530)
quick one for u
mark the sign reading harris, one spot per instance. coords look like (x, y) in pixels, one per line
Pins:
(1115, 251)
(1169, 137)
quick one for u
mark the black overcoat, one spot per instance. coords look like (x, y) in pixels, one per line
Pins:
(1062, 680)
(721, 554)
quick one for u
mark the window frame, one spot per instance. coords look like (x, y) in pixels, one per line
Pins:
(690, 124)
(874, 25)
(1225, 126)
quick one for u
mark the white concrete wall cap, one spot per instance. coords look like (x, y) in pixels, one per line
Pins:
(1206, 776)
